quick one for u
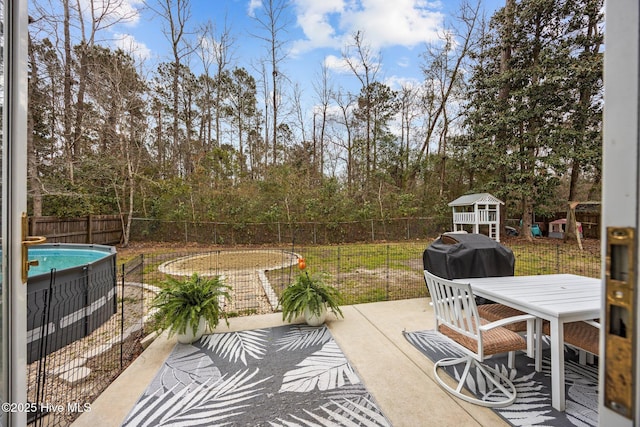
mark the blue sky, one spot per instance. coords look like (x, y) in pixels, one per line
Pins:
(317, 32)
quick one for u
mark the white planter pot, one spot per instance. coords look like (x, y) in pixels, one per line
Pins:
(188, 337)
(312, 319)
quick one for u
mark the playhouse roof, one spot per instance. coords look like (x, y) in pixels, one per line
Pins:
(472, 199)
(562, 221)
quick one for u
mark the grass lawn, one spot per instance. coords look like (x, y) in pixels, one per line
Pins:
(368, 272)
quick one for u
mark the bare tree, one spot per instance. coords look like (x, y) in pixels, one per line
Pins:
(267, 125)
(443, 71)
(298, 111)
(409, 100)
(345, 103)
(74, 27)
(273, 24)
(217, 49)
(365, 66)
(176, 14)
(241, 110)
(206, 49)
(323, 91)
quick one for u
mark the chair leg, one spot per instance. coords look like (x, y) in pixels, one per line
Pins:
(538, 346)
(585, 357)
(582, 357)
(494, 377)
(511, 360)
(531, 333)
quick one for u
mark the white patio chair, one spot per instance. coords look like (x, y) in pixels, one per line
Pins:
(457, 318)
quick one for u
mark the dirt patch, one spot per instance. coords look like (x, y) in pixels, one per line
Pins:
(242, 270)
(137, 248)
(224, 261)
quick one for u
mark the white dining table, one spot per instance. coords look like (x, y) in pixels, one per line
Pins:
(558, 298)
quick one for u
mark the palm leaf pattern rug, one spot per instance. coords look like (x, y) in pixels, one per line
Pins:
(282, 376)
(533, 402)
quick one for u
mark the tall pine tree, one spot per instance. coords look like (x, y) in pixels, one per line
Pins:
(530, 113)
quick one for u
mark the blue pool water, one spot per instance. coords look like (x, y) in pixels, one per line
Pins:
(61, 258)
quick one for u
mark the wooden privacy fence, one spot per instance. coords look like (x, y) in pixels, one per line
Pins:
(95, 229)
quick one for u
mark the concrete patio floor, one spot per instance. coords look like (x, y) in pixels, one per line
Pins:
(398, 376)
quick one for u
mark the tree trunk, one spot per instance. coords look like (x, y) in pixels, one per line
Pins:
(527, 217)
(68, 135)
(505, 57)
(32, 161)
(570, 228)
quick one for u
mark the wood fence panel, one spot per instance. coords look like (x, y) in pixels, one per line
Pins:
(93, 229)
(590, 224)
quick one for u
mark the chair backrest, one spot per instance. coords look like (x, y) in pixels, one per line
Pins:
(454, 306)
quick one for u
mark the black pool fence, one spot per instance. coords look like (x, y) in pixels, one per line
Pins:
(84, 331)
(74, 374)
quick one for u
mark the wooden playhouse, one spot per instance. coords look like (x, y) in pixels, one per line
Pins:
(558, 227)
(478, 212)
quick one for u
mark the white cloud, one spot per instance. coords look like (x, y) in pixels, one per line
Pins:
(318, 20)
(336, 64)
(210, 48)
(401, 22)
(398, 82)
(340, 65)
(253, 5)
(331, 23)
(130, 45)
(404, 62)
(334, 110)
(125, 12)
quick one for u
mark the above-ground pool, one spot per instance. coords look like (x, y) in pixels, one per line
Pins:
(62, 257)
(82, 297)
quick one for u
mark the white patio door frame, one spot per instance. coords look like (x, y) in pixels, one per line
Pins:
(14, 203)
(621, 186)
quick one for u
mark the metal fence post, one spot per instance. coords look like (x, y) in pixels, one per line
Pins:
(338, 266)
(388, 271)
(373, 235)
(122, 322)
(315, 239)
(186, 234)
(85, 292)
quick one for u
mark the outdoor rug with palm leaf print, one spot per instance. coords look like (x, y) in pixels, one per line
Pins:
(281, 376)
(533, 400)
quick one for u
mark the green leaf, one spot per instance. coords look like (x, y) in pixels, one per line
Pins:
(309, 291)
(181, 303)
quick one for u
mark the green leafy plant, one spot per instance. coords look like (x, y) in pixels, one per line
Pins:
(181, 303)
(309, 292)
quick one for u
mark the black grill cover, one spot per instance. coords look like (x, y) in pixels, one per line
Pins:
(457, 256)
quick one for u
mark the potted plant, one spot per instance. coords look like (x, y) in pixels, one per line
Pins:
(311, 297)
(187, 307)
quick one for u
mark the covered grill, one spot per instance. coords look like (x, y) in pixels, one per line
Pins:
(456, 256)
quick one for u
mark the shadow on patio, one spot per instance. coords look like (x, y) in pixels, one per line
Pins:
(398, 376)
